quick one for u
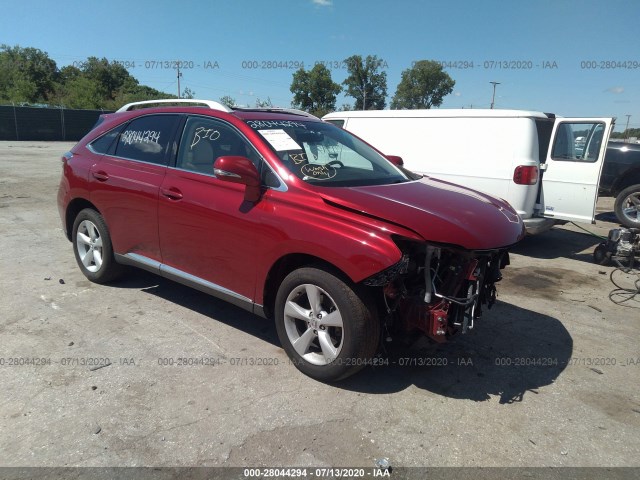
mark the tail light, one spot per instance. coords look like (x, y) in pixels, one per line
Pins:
(525, 175)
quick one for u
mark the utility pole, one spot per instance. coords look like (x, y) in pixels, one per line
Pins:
(626, 129)
(493, 98)
(179, 75)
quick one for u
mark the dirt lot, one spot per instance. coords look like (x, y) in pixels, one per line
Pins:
(549, 378)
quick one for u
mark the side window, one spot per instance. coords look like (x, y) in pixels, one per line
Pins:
(103, 143)
(206, 139)
(146, 138)
(578, 142)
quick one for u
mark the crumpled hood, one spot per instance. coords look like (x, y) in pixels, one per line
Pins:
(438, 211)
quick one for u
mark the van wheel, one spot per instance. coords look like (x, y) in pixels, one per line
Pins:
(627, 206)
(325, 325)
(92, 247)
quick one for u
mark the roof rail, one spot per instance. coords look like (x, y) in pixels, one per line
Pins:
(210, 103)
(279, 109)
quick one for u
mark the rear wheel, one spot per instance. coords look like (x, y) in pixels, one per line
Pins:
(627, 206)
(325, 325)
(92, 247)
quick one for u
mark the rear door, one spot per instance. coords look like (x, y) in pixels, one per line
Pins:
(125, 183)
(572, 168)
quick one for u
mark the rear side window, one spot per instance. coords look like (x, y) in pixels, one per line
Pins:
(147, 138)
(103, 143)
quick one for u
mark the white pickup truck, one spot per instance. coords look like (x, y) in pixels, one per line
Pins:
(546, 167)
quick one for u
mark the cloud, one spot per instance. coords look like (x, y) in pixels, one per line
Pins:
(615, 90)
(323, 3)
(457, 94)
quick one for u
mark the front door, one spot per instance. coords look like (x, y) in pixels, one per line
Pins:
(207, 229)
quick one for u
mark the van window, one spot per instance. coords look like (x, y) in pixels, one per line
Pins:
(337, 123)
(578, 142)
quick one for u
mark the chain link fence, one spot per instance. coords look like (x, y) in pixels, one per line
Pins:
(45, 123)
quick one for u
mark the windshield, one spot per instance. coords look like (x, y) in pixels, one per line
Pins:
(322, 154)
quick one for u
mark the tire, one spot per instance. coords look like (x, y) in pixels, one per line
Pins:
(332, 340)
(627, 206)
(601, 256)
(92, 247)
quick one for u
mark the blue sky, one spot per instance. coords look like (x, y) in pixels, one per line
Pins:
(511, 42)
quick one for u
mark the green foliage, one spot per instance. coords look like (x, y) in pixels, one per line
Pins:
(632, 132)
(366, 83)
(264, 103)
(188, 93)
(228, 101)
(422, 86)
(28, 75)
(314, 91)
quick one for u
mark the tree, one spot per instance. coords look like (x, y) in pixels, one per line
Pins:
(314, 91)
(80, 92)
(26, 74)
(137, 94)
(188, 93)
(228, 100)
(109, 77)
(263, 103)
(422, 86)
(366, 83)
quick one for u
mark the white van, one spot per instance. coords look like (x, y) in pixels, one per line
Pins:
(546, 167)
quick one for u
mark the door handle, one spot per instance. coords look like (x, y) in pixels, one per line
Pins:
(172, 193)
(100, 175)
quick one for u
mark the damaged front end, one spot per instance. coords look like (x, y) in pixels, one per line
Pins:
(438, 290)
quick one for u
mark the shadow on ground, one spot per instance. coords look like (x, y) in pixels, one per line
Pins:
(558, 243)
(215, 309)
(512, 352)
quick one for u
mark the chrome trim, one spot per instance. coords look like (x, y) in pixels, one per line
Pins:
(138, 260)
(171, 271)
(224, 173)
(190, 280)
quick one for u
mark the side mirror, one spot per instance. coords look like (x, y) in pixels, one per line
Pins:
(397, 161)
(239, 170)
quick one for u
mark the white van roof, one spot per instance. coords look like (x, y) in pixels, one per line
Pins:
(439, 113)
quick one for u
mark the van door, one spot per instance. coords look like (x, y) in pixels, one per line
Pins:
(571, 173)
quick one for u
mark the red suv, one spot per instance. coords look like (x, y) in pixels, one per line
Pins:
(288, 217)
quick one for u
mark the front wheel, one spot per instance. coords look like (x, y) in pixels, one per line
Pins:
(325, 325)
(92, 247)
(627, 206)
